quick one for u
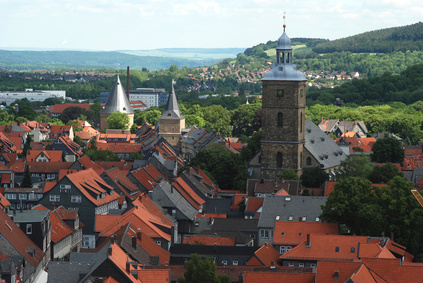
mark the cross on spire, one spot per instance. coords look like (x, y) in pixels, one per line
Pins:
(284, 25)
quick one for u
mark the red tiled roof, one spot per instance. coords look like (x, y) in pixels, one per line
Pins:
(267, 255)
(122, 165)
(253, 204)
(146, 180)
(86, 163)
(59, 108)
(19, 240)
(119, 258)
(52, 155)
(154, 275)
(413, 151)
(48, 167)
(275, 277)
(328, 247)
(48, 186)
(208, 240)
(365, 148)
(329, 187)
(294, 233)
(154, 173)
(89, 180)
(59, 229)
(3, 202)
(83, 135)
(210, 215)
(145, 202)
(187, 192)
(326, 271)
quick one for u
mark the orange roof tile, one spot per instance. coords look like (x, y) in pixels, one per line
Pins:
(208, 240)
(329, 247)
(19, 240)
(267, 255)
(52, 155)
(89, 180)
(253, 204)
(329, 187)
(59, 229)
(188, 193)
(294, 233)
(3, 202)
(119, 258)
(210, 215)
(145, 179)
(59, 108)
(154, 275)
(276, 277)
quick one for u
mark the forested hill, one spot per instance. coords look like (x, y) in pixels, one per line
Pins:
(388, 88)
(54, 60)
(381, 41)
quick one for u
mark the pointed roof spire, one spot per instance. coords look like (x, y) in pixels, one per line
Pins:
(117, 101)
(172, 108)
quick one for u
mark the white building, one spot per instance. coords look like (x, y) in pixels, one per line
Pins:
(38, 95)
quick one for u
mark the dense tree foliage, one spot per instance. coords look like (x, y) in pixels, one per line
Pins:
(199, 269)
(367, 210)
(314, 177)
(387, 150)
(225, 168)
(383, 174)
(385, 40)
(118, 120)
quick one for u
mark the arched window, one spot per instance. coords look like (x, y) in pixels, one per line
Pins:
(301, 122)
(287, 57)
(280, 119)
(279, 160)
(308, 162)
(282, 57)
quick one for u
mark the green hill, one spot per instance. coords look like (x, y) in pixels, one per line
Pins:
(53, 60)
(381, 41)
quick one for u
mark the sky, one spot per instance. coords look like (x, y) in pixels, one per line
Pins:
(151, 24)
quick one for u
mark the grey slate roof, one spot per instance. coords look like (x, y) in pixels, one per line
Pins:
(284, 71)
(163, 195)
(289, 206)
(172, 109)
(322, 147)
(117, 101)
(29, 216)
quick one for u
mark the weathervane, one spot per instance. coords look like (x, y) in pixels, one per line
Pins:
(284, 25)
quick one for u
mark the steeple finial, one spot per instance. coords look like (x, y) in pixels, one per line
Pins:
(284, 25)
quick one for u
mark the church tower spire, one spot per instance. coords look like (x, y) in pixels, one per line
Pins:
(172, 121)
(283, 110)
(117, 102)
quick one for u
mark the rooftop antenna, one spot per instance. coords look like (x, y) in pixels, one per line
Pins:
(284, 25)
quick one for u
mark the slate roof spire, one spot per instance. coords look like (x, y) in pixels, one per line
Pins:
(117, 101)
(283, 69)
(172, 108)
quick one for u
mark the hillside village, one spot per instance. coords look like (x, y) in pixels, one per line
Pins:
(67, 218)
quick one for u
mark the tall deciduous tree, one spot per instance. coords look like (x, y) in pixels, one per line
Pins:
(118, 120)
(199, 269)
(387, 150)
(314, 177)
(383, 174)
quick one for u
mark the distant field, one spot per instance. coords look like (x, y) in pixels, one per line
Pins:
(188, 53)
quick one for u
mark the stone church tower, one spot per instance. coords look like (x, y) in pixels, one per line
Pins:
(283, 115)
(117, 102)
(172, 121)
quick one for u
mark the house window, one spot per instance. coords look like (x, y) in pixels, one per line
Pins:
(291, 264)
(308, 161)
(235, 262)
(280, 119)
(301, 264)
(290, 218)
(22, 196)
(304, 218)
(159, 243)
(10, 196)
(224, 262)
(54, 198)
(266, 234)
(76, 198)
(29, 228)
(313, 265)
(279, 160)
(282, 250)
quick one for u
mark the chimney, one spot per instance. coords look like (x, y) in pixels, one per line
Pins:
(113, 238)
(272, 265)
(308, 243)
(127, 82)
(134, 242)
(128, 265)
(139, 234)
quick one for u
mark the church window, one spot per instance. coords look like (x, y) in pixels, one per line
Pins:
(308, 162)
(302, 93)
(282, 57)
(279, 160)
(280, 92)
(301, 122)
(301, 159)
(287, 57)
(280, 119)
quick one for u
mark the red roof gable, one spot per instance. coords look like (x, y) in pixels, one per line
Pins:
(267, 255)
(274, 277)
(52, 155)
(146, 180)
(253, 204)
